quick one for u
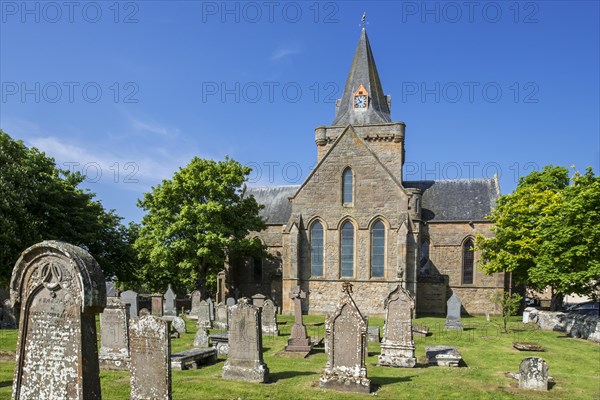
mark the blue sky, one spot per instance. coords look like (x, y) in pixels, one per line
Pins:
(128, 92)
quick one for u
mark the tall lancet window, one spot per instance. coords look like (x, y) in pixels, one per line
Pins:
(377, 249)
(468, 261)
(347, 253)
(316, 249)
(347, 186)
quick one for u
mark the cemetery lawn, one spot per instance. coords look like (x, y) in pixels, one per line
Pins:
(574, 365)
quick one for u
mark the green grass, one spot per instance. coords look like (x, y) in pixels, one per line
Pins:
(573, 363)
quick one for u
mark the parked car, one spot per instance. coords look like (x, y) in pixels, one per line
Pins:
(588, 308)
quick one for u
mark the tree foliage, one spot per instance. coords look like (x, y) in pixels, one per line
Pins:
(546, 232)
(509, 304)
(194, 221)
(39, 201)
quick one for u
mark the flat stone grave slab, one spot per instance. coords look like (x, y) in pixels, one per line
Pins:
(219, 341)
(193, 358)
(420, 330)
(526, 346)
(443, 356)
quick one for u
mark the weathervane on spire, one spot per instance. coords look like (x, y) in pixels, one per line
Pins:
(364, 19)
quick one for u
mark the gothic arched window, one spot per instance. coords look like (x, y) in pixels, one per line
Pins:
(347, 186)
(316, 249)
(347, 251)
(468, 261)
(424, 252)
(377, 249)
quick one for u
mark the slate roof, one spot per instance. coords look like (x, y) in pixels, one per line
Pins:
(363, 71)
(445, 200)
(457, 200)
(278, 208)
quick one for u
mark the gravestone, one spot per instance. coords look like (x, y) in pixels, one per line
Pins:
(245, 360)
(201, 338)
(258, 299)
(373, 334)
(58, 288)
(346, 337)
(211, 308)
(170, 308)
(298, 340)
(533, 374)
(221, 316)
(114, 335)
(178, 325)
(203, 315)
(443, 356)
(269, 318)
(111, 291)
(149, 346)
(130, 297)
(453, 321)
(9, 321)
(398, 347)
(157, 304)
(230, 301)
(196, 298)
(145, 311)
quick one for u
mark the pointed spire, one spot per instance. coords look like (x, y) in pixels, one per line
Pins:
(352, 107)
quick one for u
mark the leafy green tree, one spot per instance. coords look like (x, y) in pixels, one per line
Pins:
(39, 201)
(194, 222)
(546, 233)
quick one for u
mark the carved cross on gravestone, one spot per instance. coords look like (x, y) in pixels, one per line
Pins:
(298, 340)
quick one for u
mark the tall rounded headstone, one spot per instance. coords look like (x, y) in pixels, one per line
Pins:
(58, 289)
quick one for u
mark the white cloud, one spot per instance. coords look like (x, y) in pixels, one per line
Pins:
(282, 53)
(152, 128)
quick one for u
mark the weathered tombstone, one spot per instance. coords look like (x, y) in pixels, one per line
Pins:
(130, 297)
(178, 325)
(453, 321)
(245, 360)
(145, 311)
(298, 340)
(211, 308)
(149, 346)
(59, 288)
(533, 374)
(114, 335)
(111, 291)
(9, 321)
(170, 308)
(157, 304)
(230, 301)
(443, 356)
(269, 318)
(258, 299)
(373, 334)
(221, 314)
(398, 347)
(196, 298)
(201, 338)
(203, 315)
(346, 336)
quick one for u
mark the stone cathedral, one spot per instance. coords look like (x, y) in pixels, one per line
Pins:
(355, 219)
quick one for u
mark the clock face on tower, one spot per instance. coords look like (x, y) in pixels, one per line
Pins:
(360, 101)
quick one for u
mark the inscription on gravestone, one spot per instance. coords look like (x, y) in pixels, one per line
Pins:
(114, 335)
(203, 315)
(59, 289)
(346, 336)
(533, 374)
(245, 360)
(157, 304)
(221, 313)
(149, 345)
(398, 347)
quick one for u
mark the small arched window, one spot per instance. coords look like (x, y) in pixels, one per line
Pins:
(468, 261)
(347, 253)
(316, 249)
(377, 250)
(347, 186)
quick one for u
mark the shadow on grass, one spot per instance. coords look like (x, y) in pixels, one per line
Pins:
(276, 376)
(378, 382)
(6, 383)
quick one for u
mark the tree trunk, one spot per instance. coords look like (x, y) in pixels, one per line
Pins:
(556, 304)
(201, 282)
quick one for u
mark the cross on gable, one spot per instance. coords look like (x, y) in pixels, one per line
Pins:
(347, 287)
(298, 293)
